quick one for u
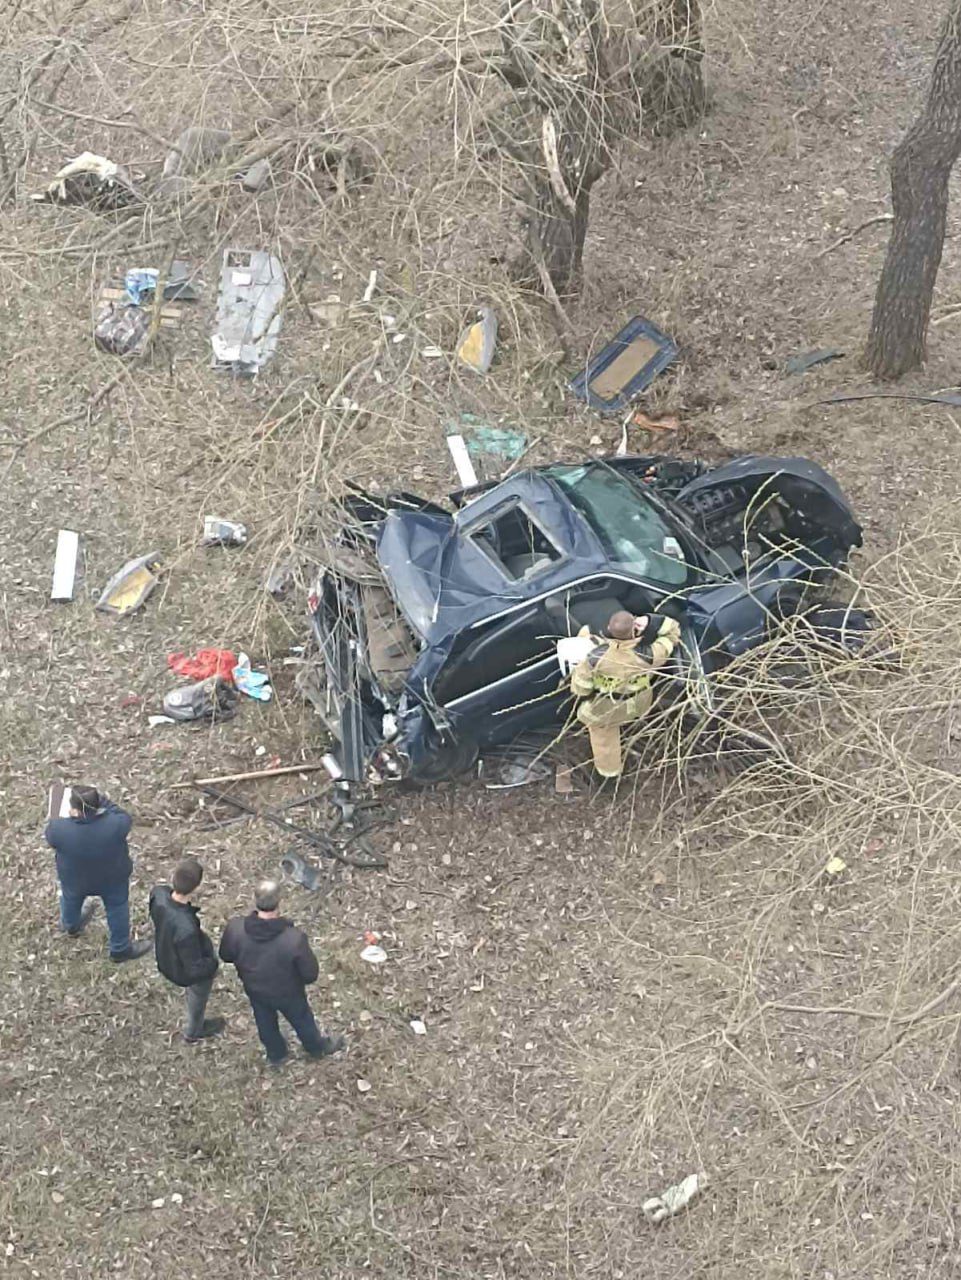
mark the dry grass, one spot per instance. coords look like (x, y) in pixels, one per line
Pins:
(615, 995)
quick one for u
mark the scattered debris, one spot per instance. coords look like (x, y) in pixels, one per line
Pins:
(629, 363)
(646, 423)
(835, 866)
(204, 663)
(432, 353)
(248, 311)
(364, 1086)
(195, 149)
(257, 176)
(371, 286)
(255, 684)
(495, 442)
(253, 776)
(519, 770)
(94, 181)
(374, 955)
(121, 329)
(418, 1027)
(223, 533)
(330, 312)
(462, 463)
(564, 781)
(210, 699)
(281, 577)
(475, 347)
(140, 283)
(156, 721)
(65, 565)
(809, 359)
(674, 1199)
(130, 586)
(301, 872)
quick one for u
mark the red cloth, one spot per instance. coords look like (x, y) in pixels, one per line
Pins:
(204, 663)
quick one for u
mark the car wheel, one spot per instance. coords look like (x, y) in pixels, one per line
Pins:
(450, 758)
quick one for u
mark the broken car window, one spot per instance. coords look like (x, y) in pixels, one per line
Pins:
(515, 543)
(631, 529)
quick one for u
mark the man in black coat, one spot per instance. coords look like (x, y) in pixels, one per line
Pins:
(93, 861)
(185, 955)
(275, 963)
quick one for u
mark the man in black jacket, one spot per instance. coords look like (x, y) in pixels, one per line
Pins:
(275, 963)
(185, 955)
(93, 861)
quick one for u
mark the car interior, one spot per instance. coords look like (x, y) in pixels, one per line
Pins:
(515, 543)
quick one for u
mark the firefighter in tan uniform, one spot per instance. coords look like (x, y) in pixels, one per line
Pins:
(613, 682)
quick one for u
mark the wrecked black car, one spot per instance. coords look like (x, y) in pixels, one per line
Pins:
(438, 628)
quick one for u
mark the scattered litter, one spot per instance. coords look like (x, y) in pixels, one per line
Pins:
(641, 419)
(432, 353)
(462, 463)
(248, 311)
(255, 684)
(363, 1086)
(176, 1198)
(213, 698)
(330, 312)
(204, 663)
(418, 1027)
(674, 1199)
(158, 1203)
(371, 286)
(475, 347)
(496, 442)
(300, 871)
(91, 180)
(129, 588)
(195, 149)
(835, 866)
(629, 363)
(156, 721)
(130, 700)
(371, 937)
(564, 781)
(121, 329)
(140, 283)
(65, 565)
(374, 955)
(520, 771)
(257, 176)
(281, 577)
(808, 359)
(223, 533)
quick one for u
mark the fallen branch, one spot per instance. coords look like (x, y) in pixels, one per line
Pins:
(849, 235)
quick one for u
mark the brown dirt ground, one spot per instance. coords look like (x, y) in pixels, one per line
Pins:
(594, 977)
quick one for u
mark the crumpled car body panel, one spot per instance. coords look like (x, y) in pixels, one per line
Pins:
(437, 629)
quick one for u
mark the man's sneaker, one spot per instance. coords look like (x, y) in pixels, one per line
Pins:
(133, 952)
(329, 1045)
(211, 1027)
(88, 909)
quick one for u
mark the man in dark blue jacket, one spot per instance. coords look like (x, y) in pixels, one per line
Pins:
(93, 861)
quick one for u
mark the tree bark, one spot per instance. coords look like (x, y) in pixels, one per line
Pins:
(920, 170)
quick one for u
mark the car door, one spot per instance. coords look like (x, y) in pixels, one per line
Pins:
(502, 677)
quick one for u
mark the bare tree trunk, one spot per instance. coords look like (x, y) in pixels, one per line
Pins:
(581, 81)
(920, 170)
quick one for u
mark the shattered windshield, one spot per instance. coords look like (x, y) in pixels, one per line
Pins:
(632, 530)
